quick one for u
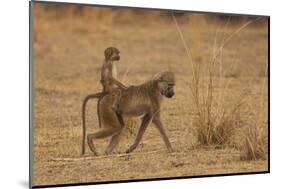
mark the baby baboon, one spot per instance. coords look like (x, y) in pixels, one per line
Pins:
(141, 100)
(109, 75)
(111, 86)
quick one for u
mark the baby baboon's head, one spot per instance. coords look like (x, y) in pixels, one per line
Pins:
(165, 83)
(112, 53)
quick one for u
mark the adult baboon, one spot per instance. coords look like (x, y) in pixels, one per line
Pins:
(141, 100)
(111, 86)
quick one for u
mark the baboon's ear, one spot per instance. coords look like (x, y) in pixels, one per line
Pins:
(158, 76)
(108, 53)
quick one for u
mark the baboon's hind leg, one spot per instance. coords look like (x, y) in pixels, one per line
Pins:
(103, 133)
(110, 121)
(98, 112)
(116, 138)
(91, 144)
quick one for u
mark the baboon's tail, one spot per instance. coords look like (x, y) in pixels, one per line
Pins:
(96, 95)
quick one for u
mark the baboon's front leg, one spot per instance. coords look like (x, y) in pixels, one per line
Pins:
(140, 133)
(157, 121)
(113, 142)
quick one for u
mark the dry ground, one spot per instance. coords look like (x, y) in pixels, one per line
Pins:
(67, 59)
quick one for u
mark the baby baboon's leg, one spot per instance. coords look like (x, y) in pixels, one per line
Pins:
(117, 95)
(157, 121)
(115, 139)
(145, 121)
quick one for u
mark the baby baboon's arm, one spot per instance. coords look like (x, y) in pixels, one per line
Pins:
(118, 83)
(107, 75)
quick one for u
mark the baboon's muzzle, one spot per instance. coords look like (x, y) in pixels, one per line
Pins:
(118, 57)
(169, 93)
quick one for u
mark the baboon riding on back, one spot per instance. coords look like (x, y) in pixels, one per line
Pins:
(111, 86)
(136, 101)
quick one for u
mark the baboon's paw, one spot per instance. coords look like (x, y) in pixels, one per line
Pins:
(94, 153)
(129, 151)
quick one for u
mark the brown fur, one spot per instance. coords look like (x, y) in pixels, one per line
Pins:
(143, 100)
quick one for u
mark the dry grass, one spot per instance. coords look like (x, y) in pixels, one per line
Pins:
(215, 120)
(68, 53)
(255, 143)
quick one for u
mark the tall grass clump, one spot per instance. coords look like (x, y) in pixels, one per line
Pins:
(215, 119)
(255, 141)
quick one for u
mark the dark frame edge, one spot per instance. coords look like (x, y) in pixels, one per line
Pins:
(268, 93)
(31, 134)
